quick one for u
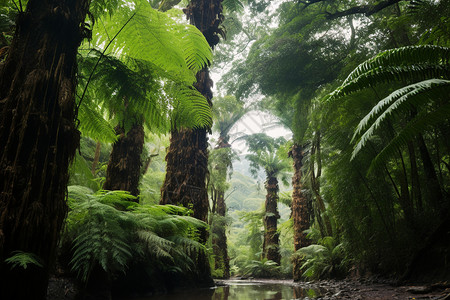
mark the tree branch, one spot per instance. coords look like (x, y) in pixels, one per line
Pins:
(367, 10)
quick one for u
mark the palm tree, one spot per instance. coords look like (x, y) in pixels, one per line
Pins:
(38, 139)
(226, 112)
(265, 156)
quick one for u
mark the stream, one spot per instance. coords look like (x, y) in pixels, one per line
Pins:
(245, 289)
(267, 289)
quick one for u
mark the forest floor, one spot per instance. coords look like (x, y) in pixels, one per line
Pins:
(370, 289)
(379, 290)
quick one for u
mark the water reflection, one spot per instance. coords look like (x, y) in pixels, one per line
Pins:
(242, 290)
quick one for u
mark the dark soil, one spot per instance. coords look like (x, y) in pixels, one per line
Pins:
(379, 290)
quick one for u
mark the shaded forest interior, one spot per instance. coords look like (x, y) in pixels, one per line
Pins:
(148, 146)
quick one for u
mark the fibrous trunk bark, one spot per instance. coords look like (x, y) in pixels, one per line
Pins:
(187, 163)
(219, 242)
(271, 236)
(185, 185)
(38, 139)
(187, 158)
(124, 166)
(98, 147)
(300, 213)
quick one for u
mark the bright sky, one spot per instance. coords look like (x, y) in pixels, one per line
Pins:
(254, 121)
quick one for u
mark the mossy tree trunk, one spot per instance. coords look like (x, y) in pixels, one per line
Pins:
(185, 185)
(271, 236)
(124, 166)
(219, 242)
(185, 181)
(38, 138)
(300, 213)
(187, 157)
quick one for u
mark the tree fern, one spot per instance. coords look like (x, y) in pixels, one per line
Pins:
(109, 230)
(323, 260)
(94, 125)
(148, 48)
(427, 68)
(120, 90)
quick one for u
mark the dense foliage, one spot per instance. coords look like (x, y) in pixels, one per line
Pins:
(362, 87)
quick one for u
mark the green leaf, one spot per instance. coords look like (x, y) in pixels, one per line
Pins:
(24, 259)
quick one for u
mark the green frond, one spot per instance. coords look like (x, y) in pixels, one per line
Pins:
(399, 101)
(108, 230)
(189, 246)
(23, 260)
(94, 125)
(414, 63)
(190, 108)
(99, 8)
(233, 5)
(127, 90)
(78, 194)
(117, 199)
(146, 38)
(421, 122)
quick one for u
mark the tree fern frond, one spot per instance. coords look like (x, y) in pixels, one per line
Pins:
(418, 124)
(146, 37)
(118, 199)
(94, 124)
(400, 101)
(233, 5)
(410, 55)
(414, 63)
(79, 192)
(190, 109)
(23, 260)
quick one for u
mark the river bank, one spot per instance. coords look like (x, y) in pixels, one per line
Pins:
(370, 289)
(362, 289)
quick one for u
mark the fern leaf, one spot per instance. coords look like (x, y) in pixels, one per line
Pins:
(414, 63)
(146, 37)
(399, 101)
(23, 260)
(418, 124)
(233, 5)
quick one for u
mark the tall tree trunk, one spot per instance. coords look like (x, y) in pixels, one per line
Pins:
(434, 189)
(38, 139)
(416, 193)
(124, 166)
(187, 158)
(300, 212)
(98, 147)
(219, 242)
(271, 236)
(187, 166)
(185, 185)
(316, 163)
